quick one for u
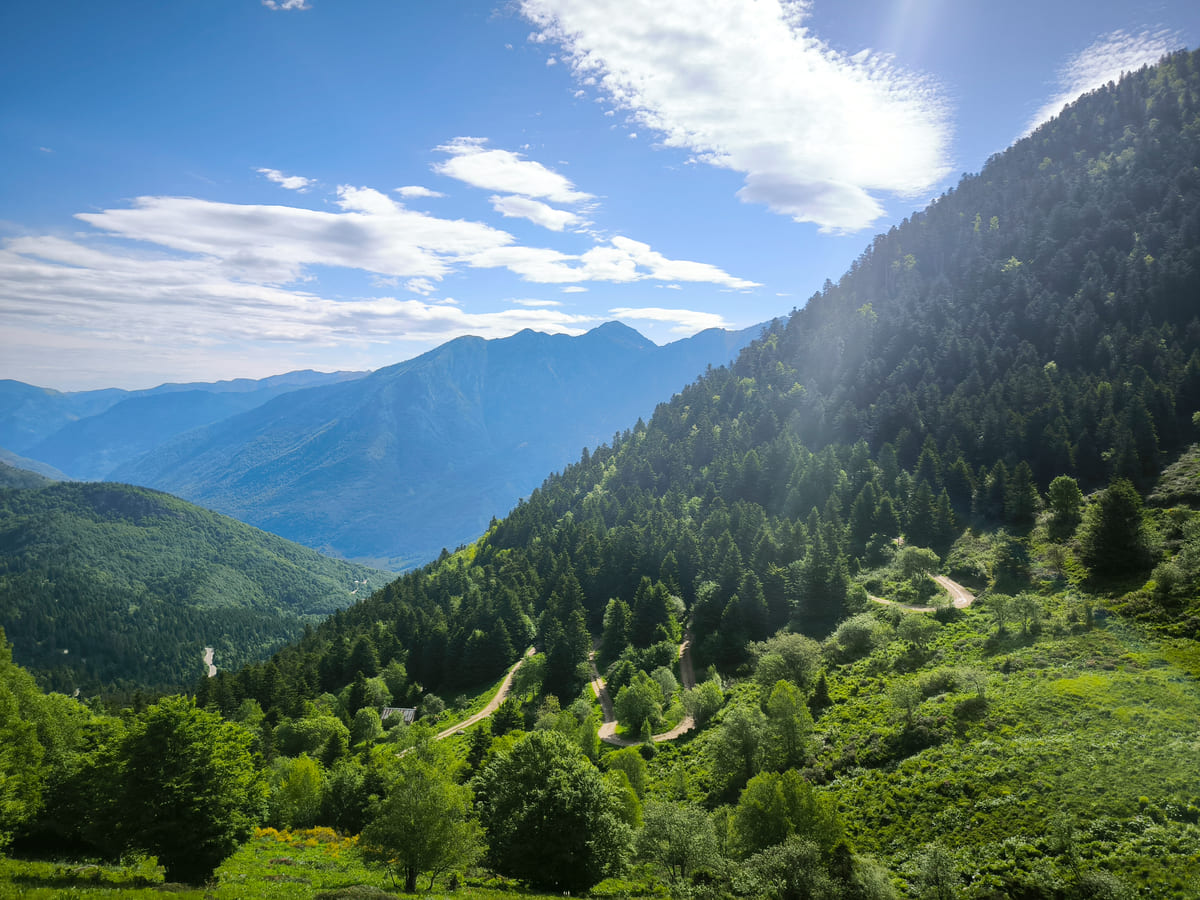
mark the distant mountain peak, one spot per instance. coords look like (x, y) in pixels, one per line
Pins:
(619, 332)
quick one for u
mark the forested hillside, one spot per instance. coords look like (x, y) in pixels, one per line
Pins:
(1035, 322)
(988, 395)
(107, 586)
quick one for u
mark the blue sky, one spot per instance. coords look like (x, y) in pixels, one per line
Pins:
(205, 190)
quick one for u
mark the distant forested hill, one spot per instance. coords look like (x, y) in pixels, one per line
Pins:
(422, 455)
(107, 585)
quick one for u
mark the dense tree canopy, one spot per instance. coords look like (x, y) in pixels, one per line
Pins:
(548, 817)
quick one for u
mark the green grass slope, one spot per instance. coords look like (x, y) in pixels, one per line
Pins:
(112, 585)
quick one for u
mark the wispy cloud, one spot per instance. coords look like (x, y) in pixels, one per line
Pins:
(198, 275)
(744, 85)
(1105, 60)
(422, 286)
(285, 4)
(471, 161)
(574, 289)
(535, 211)
(538, 303)
(415, 190)
(157, 312)
(686, 321)
(291, 182)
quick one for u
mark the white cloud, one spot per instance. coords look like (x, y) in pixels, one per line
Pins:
(373, 233)
(184, 274)
(421, 286)
(535, 211)
(291, 182)
(504, 171)
(285, 4)
(1103, 61)
(551, 61)
(744, 85)
(574, 289)
(415, 190)
(538, 303)
(687, 321)
(118, 314)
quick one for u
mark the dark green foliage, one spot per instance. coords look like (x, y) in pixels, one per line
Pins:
(549, 819)
(1113, 537)
(617, 617)
(185, 789)
(106, 585)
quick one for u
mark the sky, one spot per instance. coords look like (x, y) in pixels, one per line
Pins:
(196, 191)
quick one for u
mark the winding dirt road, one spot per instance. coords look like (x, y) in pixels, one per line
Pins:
(960, 597)
(493, 704)
(608, 730)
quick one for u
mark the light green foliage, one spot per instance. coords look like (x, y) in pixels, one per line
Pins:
(789, 728)
(367, 727)
(919, 630)
(703, 701)
(1026, 609)
(528, 679)
(736, 749)
(793, 868)
(678, 836)
(432, 707)
(906, 695)
(917, 561)
(774, 806)
(297, 786)
(21, 772)
(666, 681)
(639, 702)
(1001, 608)
(787, 655)
(549, 819)
(311, 735)
(625, 799)
(938, 874)
(629, 761)
(424, 823)
(856, 637)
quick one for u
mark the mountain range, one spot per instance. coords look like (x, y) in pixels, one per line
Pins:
(86, 434)
(395, 466)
